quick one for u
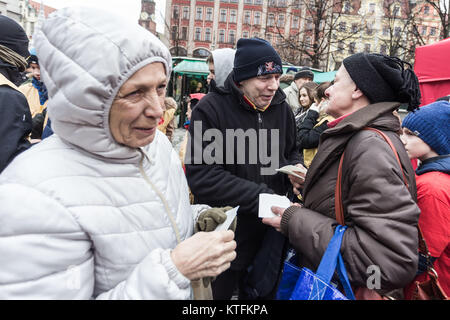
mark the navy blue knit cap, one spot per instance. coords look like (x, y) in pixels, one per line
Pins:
(431, 123)
(255, 57)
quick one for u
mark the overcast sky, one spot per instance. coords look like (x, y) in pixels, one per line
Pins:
(127, 8)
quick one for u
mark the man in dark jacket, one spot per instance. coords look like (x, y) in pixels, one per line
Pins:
(239, 136)
(15, 116)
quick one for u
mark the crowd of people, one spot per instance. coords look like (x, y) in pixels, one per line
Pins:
(112, 211)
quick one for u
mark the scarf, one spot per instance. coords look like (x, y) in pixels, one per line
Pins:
(40, 86)
(11, 57)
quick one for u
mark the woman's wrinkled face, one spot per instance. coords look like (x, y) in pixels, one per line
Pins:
(340, 94)
(304, 99)
(138, 106)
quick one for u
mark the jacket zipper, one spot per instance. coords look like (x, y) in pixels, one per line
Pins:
(260, 126)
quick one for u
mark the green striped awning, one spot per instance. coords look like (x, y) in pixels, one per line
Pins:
(194, 67)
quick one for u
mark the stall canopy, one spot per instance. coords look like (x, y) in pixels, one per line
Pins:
(200, 67)
(192, 67)
(432, 68)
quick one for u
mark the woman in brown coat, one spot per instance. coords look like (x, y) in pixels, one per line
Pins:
(380, 246)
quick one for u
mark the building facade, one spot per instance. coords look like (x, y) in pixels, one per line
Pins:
(32, 14)
(392, 27)
(147, 17)
(11, 9)
(197, 27)
(318, 33)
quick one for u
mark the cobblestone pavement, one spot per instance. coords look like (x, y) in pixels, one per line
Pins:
(178, 137)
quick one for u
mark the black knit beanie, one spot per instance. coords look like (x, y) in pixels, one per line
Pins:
(13, 36)
(304, 72)
(255, 57)
(382, 78)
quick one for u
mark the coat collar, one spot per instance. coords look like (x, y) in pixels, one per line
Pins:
(334, 140)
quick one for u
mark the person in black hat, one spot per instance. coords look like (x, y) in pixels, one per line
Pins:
(250, 108)
(292, 92)
(378, 191)
(37, 97)
(15, 116)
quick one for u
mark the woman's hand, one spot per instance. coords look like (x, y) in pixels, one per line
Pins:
(297, 182)
(276, 221)
(205, 254)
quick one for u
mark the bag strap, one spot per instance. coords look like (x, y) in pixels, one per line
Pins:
(161, 196)
(332, 260)
(329, 259)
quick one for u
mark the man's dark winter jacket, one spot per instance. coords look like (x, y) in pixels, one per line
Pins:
(232, 184)
(15, 119)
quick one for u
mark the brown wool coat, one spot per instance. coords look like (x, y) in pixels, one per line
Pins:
(380, 211)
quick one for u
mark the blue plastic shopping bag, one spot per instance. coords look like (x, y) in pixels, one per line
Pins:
(316, 286)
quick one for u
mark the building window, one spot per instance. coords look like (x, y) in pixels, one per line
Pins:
(221, 36)
(279, 39)
(233, 15)
(271, 20)
(426, 10)
(308, 41)
(397, 31)
(232, 37)
(342, 26)
(269, 37)
(385, 30)
(174, 32)
(198, 34)
(223, 15)
(209, 14)
(199, 14)
(186, 13)
(369, 30)
(208, 34)
(340, 46)
(256, 34)
(257, 18)
(367, 48)
(383, 49)
(175, 12)
(354, 28)
(424, 30)
(347, 7)
(295, 22)
(247, 17)
(395, 11)
(258, 2)
(281, 21)
(245, 34)
(248, 1)
(351, 48)
(433, 31)
(184, 33)
(372, 8)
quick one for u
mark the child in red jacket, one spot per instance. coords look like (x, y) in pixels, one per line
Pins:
(426, 136)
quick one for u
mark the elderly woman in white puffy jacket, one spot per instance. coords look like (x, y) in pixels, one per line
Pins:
(100, 209)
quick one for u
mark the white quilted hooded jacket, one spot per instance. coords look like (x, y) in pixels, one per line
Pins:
(77, 218)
